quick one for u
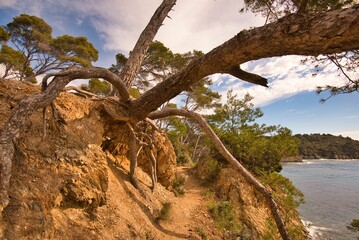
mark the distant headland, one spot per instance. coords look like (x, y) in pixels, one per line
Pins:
(326, 146)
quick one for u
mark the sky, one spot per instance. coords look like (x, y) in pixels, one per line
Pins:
(113, 26)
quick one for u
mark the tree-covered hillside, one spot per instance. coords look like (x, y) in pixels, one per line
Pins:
(315, 146)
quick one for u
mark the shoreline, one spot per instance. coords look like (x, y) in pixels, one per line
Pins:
(327, 184)
(314, 232)
(302, 160)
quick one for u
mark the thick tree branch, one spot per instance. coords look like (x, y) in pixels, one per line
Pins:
(248, 77)
(231, 159)
(134, 62)
(309, 34)
(90, 72)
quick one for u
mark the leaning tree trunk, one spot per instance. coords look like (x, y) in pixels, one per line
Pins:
(232, 160)
(301, 34)
(135, 60)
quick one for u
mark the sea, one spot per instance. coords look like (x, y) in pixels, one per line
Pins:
(331, 189)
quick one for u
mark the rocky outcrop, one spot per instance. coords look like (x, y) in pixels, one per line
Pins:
(68, 170)
(117, 139)
(249, 205)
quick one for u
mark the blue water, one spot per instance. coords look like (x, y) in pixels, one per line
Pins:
(331, 189)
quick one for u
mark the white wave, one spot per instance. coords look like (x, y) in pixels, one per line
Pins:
(308, 162)
(314, 232)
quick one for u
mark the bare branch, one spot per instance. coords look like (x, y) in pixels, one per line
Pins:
(133, 64)
(229, 157)
(237, 72)
(335, 61)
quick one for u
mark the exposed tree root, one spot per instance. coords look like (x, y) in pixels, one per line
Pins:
(302, 34)
(139, 136)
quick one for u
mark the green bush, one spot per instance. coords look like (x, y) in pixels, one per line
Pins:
(201, 232)
(224, 216)
(354, 225)
(289, 196)
(271, 230)
(178, 185)
(210, 170)
(164, 213)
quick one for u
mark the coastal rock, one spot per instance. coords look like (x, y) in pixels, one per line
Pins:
(60, 182)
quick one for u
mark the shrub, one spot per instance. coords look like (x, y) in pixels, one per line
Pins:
(354, 225)
(289, 196)
(201, 232)
(178, 185)
(164, 213)
(209, 171)
(224, 217)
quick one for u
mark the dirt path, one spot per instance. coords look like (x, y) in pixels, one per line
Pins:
(129, 216)
(189, 214)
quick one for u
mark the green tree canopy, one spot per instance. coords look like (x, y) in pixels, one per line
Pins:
(275, 9)
(29, 32)
(121, 60)
(200, 96)
(74, 50)
(236, 114)
(95, 85)
(354, 225)
(32, 37)
(159, 63)
(259, 147)
(4, 35)
(14, 61)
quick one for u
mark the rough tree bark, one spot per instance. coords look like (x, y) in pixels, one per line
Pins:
(134, 62)
(232, 160)
(302, 34)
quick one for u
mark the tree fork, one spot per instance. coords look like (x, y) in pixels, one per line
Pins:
(133, 64)
(232, 160)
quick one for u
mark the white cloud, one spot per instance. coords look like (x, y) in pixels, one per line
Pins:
(7, 3)
(29, 7)
(288, 77)
(79, 21)
(200, 24)
(204, 24)
(353, 116)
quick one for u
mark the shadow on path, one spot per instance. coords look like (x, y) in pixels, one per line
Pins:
(120, 175)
